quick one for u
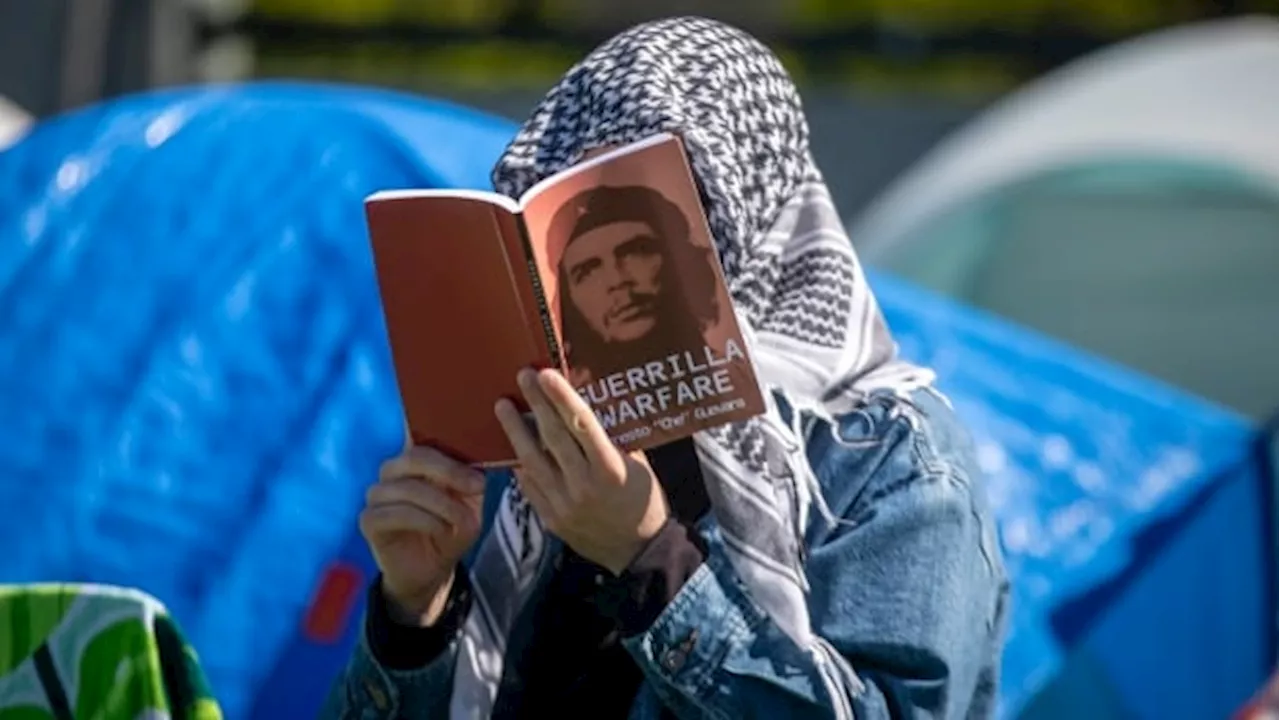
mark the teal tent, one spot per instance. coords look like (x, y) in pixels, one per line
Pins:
(1125, 204)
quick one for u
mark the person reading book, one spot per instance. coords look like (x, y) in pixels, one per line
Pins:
(831, 557)
(615, 250)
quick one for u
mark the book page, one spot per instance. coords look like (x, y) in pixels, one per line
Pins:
(637, 297)
(484, 196)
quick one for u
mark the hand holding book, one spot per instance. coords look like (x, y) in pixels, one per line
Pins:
(604, 504)
(419, 519)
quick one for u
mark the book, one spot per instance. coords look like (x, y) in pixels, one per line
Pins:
(605, 271)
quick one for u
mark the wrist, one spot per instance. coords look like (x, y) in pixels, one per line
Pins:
(417, 609)
(627, 554)
(621, 560)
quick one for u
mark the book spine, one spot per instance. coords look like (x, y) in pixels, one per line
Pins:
(544, 309)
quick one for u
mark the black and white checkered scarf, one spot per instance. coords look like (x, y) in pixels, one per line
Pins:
(815, 330)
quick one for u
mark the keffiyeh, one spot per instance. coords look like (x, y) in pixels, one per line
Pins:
(816, 333)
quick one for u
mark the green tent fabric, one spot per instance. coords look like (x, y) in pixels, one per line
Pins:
(1166, 267)
(95, 652)
(1124, 203)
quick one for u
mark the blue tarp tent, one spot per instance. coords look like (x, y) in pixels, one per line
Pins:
(194, 369)
(198, 392)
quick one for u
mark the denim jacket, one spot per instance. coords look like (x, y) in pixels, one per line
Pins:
(909, 587)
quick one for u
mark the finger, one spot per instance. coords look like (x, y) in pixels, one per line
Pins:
(383, 519)
(559, 441)
(430, 463)
(529, 453)
(578, 417)
(423, 495)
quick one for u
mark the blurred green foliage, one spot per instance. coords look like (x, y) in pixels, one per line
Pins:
(1110, 17)
(971, 48)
